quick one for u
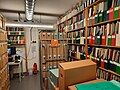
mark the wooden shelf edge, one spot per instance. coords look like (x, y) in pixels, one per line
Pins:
(76, 44)
(107, 70)
(105, 46)
(15, 35)
(76, 29)
(101, 23)
(73, 57)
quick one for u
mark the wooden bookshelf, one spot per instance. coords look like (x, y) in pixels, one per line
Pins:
(93, 21)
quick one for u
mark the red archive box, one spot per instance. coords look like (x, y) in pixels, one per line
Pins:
(90, 40)
(103, 40)
(113, 43)
(111, 13)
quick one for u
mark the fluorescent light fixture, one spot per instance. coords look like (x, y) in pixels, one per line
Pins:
(29, 7)
(28, 25)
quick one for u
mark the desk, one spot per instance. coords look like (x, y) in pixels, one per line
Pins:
(20, 67)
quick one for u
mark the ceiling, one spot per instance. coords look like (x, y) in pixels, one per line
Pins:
(56, 7)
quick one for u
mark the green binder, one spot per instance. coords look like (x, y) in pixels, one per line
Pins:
(77, 40)
(100, 17)
(116, 12)
(118, 69)
(109, 40)
(96, 18)
(104, 18)
(98, 40)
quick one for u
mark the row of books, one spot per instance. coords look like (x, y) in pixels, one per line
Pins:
(51, 35)
(77, 37)
(106, 29)
(74, 23)
(111, 40)
(80, 40)
(108, 34)
(106, 58)
(107, 75)
(76, 52)
(104, 11)
(14, 29)
(15, 33)
(76, 34)
(16, 40)
(80, 6)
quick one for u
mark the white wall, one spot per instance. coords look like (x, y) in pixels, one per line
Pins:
(32, 48)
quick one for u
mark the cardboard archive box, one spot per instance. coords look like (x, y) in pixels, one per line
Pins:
(76, 72)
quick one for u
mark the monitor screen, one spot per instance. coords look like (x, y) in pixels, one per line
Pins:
(11, 50)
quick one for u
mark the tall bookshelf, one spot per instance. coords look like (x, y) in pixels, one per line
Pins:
(101, 34)
(16, 36)
(4, 75)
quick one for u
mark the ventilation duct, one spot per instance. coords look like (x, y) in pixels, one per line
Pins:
(29, 9)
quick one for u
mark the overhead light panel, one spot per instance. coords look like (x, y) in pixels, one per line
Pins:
(30, 25)
(29, 9)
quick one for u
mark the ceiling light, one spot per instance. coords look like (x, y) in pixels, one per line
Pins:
(29, 4)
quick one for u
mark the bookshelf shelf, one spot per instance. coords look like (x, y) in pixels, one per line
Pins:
(109, 71)
(76, 44)
(105, 22)
(76, 29)
(74, 57)
(104, 46)
(15, 35)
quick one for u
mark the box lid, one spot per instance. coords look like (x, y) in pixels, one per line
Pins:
(76, 64)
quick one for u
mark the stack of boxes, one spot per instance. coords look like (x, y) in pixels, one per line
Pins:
(51, 55)
(4, 77)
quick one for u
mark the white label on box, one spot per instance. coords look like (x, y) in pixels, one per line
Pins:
(103, 37)
(102, 60)
(107, 11)
(111, 62)
(113, 36)
(96, 15)
(98, 59)
(109, 36)
(116, 8)
(98, 36)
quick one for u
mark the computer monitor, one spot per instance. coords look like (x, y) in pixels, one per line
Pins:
(11, 50)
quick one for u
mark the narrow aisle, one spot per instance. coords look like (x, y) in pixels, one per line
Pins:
(28, 83)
